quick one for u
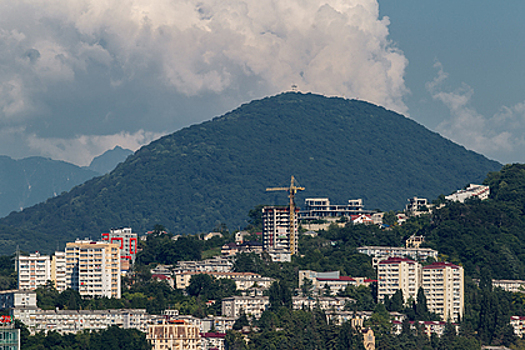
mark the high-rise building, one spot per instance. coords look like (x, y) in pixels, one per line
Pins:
(276, 229)
(33, 271)
(398, 273)
(443, 284)
(58, 271)
(127, 241)
(93, 268)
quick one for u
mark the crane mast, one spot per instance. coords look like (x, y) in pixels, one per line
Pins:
(292, 190)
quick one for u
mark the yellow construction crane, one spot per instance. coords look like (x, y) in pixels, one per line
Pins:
(292, 190)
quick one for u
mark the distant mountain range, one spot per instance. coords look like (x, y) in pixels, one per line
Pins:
(216, 171)
(26, 182)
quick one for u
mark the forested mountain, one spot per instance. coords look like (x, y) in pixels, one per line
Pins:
(216, 171)
(108, 160)
(28, 181)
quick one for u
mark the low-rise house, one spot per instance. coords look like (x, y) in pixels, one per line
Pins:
(362, 219)
(211, 235)
(357, 318)
(513, 286)
(164, 278)
(232, 249)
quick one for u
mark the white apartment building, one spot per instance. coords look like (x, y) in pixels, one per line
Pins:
(518, 324)
(398, 273)
(73, 321)
(174, 334)
(323, 303)
(415, 204)
(513, 286)
(17, 298)
(276, 229)
(216, 264)
(243, 280)
(33, 271)
(332, 279)
(128, 242)
(379, 253)
(93, 268)
(253, 306)
(58, 271)
(443, 284)
(480, 191)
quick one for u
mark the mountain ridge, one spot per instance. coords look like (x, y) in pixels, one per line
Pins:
(216, 171)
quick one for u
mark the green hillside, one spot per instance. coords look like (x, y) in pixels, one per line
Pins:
(215, 172)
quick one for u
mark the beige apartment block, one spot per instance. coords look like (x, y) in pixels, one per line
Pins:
(252, 306)
(93, 268)
(398, 273)
(444, 288)
(243, 280)
(174, 335)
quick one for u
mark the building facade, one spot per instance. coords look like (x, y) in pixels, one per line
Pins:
(73, 321)
(379, 253)
(128, 244)
(472, 191)
(17, 298)
(243, 280)
(174, 335)
(93, 268)
(398, 273)
(58, 271)
(33, 271)
(443, 284)
(276, 229)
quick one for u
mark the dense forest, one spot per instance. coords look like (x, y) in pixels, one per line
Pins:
(214, 172)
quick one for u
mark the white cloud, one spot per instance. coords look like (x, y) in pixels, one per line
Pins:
(497, 136)
(67, 65)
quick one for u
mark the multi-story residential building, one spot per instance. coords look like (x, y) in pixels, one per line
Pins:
(243, 280)
(128, 244)
(276, 229)
(73, 321)
(93, 268)
(428, 327)
(252, 306)
(321, 209)
(216, 264)
(17, 298)
(416, 204)
(398, 273)
(323, 303)
(379, 253)
(333, 280)
(513, 286)
(444, 289)
(357, 318)
(9, 336)
(174, 334)
(232, 249)
(212, 341)
(33, 270)
(478, 191)
(58, 271)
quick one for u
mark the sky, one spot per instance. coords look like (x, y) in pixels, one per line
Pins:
(79, 77)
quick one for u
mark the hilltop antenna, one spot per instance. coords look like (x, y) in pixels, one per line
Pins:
(17, 257)
(294, 87)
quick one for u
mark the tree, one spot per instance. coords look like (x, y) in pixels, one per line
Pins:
(420, 307)
(396, 302)
(306, 287)
(390, 218)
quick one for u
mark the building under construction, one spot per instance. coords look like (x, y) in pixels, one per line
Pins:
(277, 227)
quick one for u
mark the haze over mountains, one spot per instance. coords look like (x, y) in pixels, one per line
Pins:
(215, 172)
(32, 180)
